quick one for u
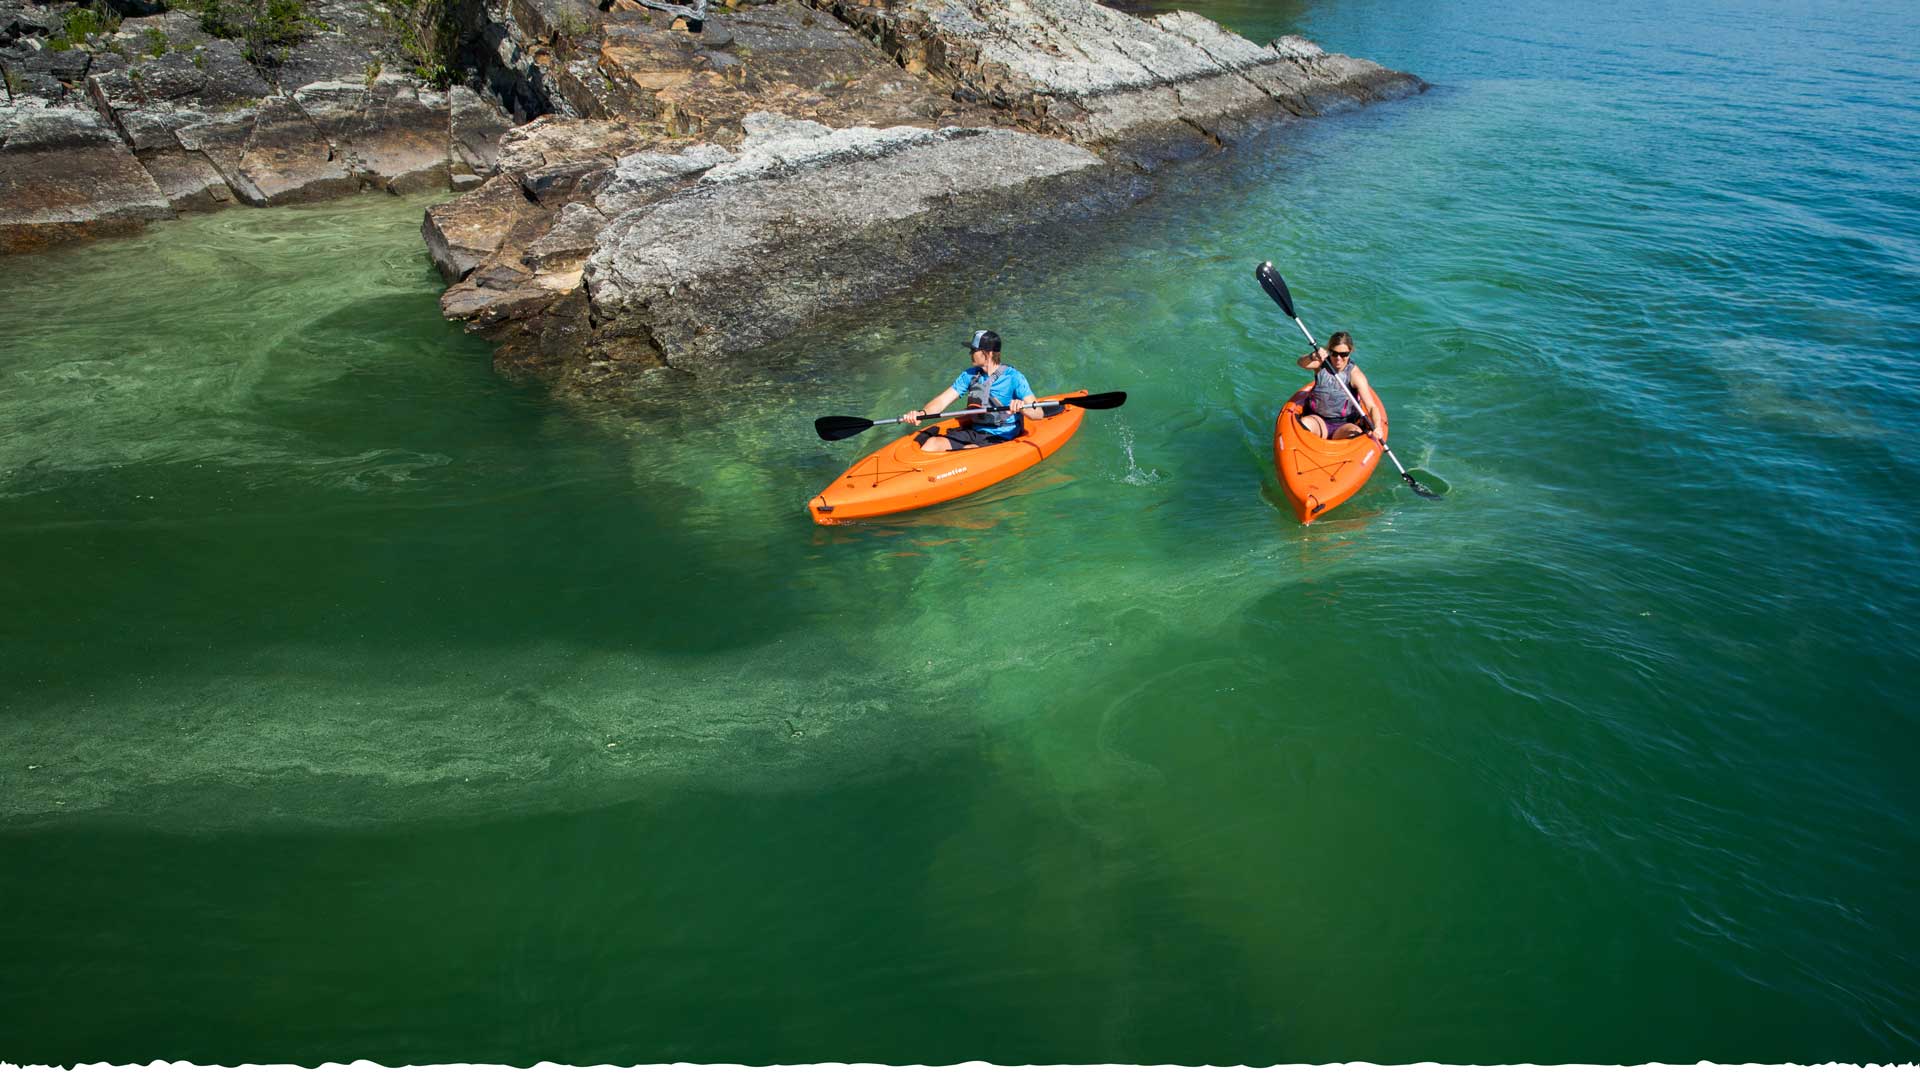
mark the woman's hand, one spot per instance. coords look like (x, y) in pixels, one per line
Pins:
(911, 416)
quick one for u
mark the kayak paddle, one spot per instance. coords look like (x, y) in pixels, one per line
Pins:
(1271, 281)
(832, 428)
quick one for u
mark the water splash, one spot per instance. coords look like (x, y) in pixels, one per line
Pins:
(1134, 475)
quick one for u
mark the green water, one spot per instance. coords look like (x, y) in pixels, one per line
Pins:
(356, 703)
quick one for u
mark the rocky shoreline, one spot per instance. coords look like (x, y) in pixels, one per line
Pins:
(646, 185)
(150, 116)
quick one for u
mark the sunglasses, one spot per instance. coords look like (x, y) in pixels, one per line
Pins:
(1341, 355)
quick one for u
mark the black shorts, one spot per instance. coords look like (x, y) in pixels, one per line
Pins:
(964, 437)
(1333, 423)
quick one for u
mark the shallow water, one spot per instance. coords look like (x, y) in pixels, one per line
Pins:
(359, 703)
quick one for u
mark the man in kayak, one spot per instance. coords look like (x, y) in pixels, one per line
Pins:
(988, 384)
(1325, 409)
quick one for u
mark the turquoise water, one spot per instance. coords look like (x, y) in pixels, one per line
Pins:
(361, 704)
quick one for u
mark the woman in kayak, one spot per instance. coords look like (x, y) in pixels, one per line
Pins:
(988, 384)
(1325, 409)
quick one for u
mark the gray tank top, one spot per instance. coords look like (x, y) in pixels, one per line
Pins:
(1329, 401)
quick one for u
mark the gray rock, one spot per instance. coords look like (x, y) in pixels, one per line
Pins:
(65, 175)
(176, 31)
(818, 183)
(151, 98)
(517, 72)
(67, 65)
(642, 178)
(355, 41)
(807, 219)
(552, 185)
(566, 245)
(462, 234)
(391, 133)
(272, 155)
(34, 85)
(553, 141)
(1104, 78)
(188, 180)
(783, 57)
(326, 58)
(475, 125)
(208, 77)
(18, 22)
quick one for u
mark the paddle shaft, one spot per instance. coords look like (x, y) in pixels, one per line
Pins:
(1345, 389)
(963, 412)
(831, 428)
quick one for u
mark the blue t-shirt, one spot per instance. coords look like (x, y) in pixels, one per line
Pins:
(1008, 385)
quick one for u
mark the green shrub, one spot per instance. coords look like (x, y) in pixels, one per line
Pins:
(81, 24)
(157, 43)
(429, 37)
(265, 28)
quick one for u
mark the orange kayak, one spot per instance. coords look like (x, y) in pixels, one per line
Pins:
(901, 476)
(1319, 474)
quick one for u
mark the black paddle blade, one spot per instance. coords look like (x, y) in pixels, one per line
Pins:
(1270, 280)
(1422, 489)
(840, 427)
(1112, 399)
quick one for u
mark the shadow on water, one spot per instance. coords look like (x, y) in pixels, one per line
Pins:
(664, 930)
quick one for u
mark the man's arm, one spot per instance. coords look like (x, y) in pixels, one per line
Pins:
(1025, 391)
(944, 399)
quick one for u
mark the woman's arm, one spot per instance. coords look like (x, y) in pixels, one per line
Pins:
(1311, 361)
(1370, 404)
